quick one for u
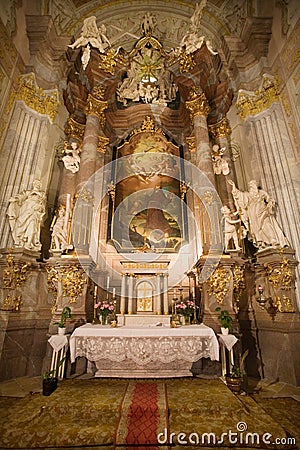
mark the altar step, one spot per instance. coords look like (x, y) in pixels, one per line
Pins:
(144, 320)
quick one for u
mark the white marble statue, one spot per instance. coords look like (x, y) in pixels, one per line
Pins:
(59, 227)
(230, 230)
(85, 57)
(148, 23)
(25, 213)
(256, 209)
(90, 34)
(72, 159)
(220, 165)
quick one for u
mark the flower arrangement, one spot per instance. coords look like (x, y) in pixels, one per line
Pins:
(105, 308)
(186, 309)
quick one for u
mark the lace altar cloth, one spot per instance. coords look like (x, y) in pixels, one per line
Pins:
(144, 345)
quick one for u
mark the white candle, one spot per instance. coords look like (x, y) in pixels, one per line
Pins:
(114, 292)
(107, 285)
(95, 290)
(193, 292)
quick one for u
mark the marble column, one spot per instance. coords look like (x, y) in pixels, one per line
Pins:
(130, 294)
(123, 293)
(198, 107)
(165, 294)
(157, 302)
(85, 191)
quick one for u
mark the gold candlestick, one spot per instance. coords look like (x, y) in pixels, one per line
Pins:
(96, 320)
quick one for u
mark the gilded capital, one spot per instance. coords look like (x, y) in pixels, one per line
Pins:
(102, 143)
(198, 104)
(96, 105)
(43, 102)
(191, 142)
(251, 103)
(74, 129)
(220, 129)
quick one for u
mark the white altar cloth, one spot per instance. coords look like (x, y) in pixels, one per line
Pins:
(144, 351)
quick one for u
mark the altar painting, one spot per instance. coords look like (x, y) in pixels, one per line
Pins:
(148, 210)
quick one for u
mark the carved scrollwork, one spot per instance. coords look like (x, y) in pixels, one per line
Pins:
(73, 282)
(218, 284)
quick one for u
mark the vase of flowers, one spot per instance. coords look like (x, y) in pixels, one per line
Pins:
(105, 309)
(186, 310)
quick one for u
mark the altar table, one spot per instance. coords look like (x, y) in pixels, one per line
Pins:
(144, 352)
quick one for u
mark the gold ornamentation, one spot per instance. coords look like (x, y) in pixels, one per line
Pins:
(238, 285)
(72, 282)
(198, 104)
(208, 197)
(12, 303)
(44, 102)
(102, 143)
(251, 103)
(96, 105)
(183, 189)
(112, 191)
(52, 280)
(147, 127)
(14, 275)
(108, 62)
(220, 129)
(74, 129)
(191, 142)
(281, 276)
(85, 195)
(187, 62)
(218, 284)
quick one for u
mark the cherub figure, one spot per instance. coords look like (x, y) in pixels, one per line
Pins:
(230, 229)
(72, 158)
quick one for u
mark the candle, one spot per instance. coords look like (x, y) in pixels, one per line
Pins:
(114, 292)
(107, 285)
(260, 289)
(95, 290)
(193, 292)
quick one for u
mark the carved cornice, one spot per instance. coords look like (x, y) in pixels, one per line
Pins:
(252, 103)
(43, 102)
(96, 105)
(198, 104)
(220, 129)
(74, 129)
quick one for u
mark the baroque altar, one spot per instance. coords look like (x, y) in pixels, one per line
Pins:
(143, 352)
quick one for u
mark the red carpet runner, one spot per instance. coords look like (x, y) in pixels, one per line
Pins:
(143, 415)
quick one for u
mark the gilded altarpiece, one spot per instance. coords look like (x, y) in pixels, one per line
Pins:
(147, 211)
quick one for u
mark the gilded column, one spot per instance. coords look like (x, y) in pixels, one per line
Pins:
(94, 120)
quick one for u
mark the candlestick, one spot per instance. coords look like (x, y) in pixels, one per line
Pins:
(107, 285)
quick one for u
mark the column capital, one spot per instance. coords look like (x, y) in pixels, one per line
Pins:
(74, 129)
(220, 129)
(96, 105)
(197, 103)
